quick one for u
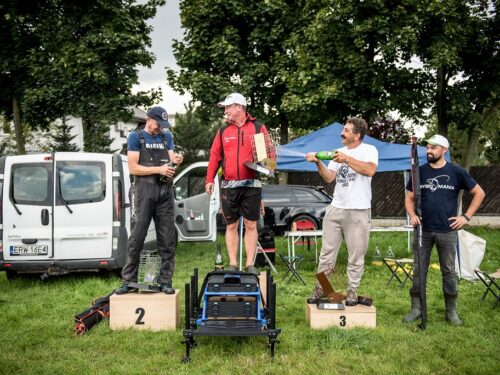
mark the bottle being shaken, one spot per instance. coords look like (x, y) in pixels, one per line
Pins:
(219, 264)
(325, 155)
(165, 179)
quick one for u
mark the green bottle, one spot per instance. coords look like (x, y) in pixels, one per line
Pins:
(219, 264)
(325, 155)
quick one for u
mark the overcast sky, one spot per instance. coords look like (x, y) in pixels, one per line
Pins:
(166, 27)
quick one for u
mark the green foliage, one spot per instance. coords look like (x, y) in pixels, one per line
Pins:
(61, 138)
(193, 133)
(237, 46)
(77, 58)
(37, 323)
(352, 60)
(96, 138)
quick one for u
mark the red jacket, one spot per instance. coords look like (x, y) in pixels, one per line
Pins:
(237, 145)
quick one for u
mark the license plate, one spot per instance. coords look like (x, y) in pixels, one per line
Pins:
(29, 250)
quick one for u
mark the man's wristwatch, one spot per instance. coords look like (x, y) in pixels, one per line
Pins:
(466, 217)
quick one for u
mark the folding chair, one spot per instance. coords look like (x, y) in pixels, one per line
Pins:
(491, 284)
(303, 225)
(260, 250)
(293, 264)
(399, 264)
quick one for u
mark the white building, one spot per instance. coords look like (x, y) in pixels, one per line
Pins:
(39, 141)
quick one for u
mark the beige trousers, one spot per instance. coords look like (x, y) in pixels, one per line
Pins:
(352, 225)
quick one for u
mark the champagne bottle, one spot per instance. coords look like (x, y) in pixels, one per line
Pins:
(325, 155)
(219, 264)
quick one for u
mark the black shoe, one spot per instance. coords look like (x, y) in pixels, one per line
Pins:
(252, 269)
(312, 301)
(167, 288)
(124, 289)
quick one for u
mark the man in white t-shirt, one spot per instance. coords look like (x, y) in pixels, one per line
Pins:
(349, 215)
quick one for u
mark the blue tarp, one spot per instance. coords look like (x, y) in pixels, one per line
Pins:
(392, 156)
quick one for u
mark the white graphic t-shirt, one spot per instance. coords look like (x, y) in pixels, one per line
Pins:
(353, 190)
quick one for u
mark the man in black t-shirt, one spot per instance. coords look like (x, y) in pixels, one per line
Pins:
(440, 183)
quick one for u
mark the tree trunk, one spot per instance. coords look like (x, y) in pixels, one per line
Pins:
(283, 176)
(18, 128)
(441, 102)
(468, 158)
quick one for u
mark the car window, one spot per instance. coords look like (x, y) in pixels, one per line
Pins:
(191, 184)
(307, 196)
(81, 182)
(31, 184)
(277, 195)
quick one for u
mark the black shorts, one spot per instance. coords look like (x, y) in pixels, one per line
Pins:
(241, 201)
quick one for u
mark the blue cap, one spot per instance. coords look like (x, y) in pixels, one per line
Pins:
(160, 115)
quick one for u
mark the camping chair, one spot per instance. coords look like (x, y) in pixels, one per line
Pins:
(304, 225)
(292, 263)
(490, 280)
(399, 264)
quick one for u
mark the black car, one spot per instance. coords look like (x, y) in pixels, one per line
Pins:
(287, 204)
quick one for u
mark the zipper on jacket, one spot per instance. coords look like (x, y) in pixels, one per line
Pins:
(238, 155)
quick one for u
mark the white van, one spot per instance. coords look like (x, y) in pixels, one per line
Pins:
(66, 212)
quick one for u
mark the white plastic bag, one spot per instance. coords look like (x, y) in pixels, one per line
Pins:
(470, 253)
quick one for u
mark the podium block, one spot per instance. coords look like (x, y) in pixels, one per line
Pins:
(352, 316)
(263, 286)
(153, 311)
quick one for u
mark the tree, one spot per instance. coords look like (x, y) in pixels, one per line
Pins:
(458, 43)
(352, 59)
(237, 46)
(389, 130)
(72, 57)
(61, 138)
(193, 133)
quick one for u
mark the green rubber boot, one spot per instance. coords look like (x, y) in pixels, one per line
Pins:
(415, 312)
(451, 311)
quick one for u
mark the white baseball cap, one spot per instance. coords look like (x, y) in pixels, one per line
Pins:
(233, 98)
(438, 140)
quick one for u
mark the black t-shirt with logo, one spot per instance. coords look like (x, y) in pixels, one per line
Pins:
(439, 189)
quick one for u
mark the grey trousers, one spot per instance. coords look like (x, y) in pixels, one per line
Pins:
(352, 225)
(446, 248)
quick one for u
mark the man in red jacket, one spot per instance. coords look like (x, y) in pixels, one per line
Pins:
(240, 189)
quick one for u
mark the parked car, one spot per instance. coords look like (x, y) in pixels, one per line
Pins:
(287, 204)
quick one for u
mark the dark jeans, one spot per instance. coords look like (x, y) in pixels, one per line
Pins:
(446, 248)
(151, 201)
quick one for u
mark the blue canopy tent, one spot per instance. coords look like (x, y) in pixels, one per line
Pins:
(392, 156)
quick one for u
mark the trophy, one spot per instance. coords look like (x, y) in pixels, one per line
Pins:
(264, 154)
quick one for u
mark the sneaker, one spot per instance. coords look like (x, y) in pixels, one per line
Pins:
(312, 301)
(351, 298)
(167, 288)
(252, 269)
(124, 289)
(233, 268)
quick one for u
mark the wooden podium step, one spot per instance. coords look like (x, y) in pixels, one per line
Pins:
(153, 311)
(352, 316)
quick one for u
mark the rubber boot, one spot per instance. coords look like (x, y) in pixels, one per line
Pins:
(415, 312)
(451, 311)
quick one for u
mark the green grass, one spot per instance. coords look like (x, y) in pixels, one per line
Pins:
(36, 323)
